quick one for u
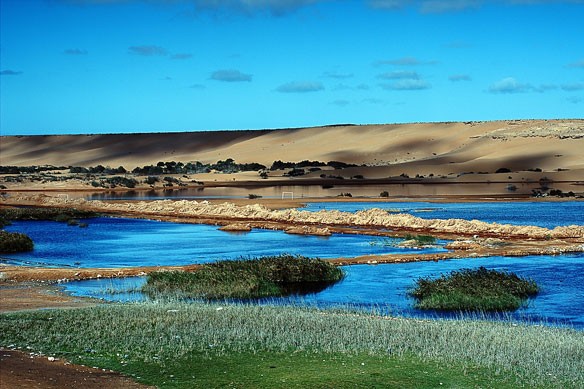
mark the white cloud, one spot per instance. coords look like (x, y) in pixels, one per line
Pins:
(509, 85)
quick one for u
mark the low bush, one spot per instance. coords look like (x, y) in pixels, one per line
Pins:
(14, 242)
(474, 290)
(254, 278)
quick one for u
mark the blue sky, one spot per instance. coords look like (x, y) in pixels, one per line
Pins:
(106, 66)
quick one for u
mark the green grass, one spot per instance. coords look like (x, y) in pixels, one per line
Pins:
(15, 242)
(253, 278)
(474, 290)
(212, 345)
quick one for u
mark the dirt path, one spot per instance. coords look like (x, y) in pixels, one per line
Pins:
(29, 370)
(22, 370)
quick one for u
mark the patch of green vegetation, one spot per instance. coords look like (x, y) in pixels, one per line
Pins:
(422, 240)
(212, 345)
(474, 290)
(15, 242)
(246, 278)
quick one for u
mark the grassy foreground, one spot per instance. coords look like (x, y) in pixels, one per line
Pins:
(246, 278)
(474, 290)
(213, 345)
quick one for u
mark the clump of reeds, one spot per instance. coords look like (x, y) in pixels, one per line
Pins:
(246, 278)
(474, 290)
(15, 242)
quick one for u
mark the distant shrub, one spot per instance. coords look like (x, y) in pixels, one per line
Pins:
(503, 170)
(252, 196)
(384, 194)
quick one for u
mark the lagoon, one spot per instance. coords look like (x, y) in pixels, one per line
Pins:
(118, 242)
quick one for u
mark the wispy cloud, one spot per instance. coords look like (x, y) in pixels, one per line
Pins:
(197, 86)
(575, 99)
(9, 72)
(181, 56)
(447, 6)
(404, 61)
(573, 87)
(230, 75)
(387, 4)
(509, 85)
(399, 75)
(350, 87)
(75, 52)
(252, 7)
(337, 75)
(372, 100)
(148, 50)
(300, 87)
(441, 6)
(341, 102)
(460, 77)
(578, 64)
(407, 85)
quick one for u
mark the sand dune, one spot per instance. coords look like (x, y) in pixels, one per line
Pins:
(555, 146)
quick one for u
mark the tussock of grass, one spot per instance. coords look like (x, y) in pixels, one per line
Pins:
(474, 290)
(166, 336)
(253, 278)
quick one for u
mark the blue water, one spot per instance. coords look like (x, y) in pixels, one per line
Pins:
(543, 214)
(385, 287)
(118, 242)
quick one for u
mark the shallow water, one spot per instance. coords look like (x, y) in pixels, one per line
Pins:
(384, 287)
(118, 242)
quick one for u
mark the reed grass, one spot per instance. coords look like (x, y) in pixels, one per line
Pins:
(163, 334)
(15, 242)
(246, 278)
(474, 290)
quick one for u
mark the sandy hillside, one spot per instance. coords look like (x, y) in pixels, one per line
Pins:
(425, 148)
